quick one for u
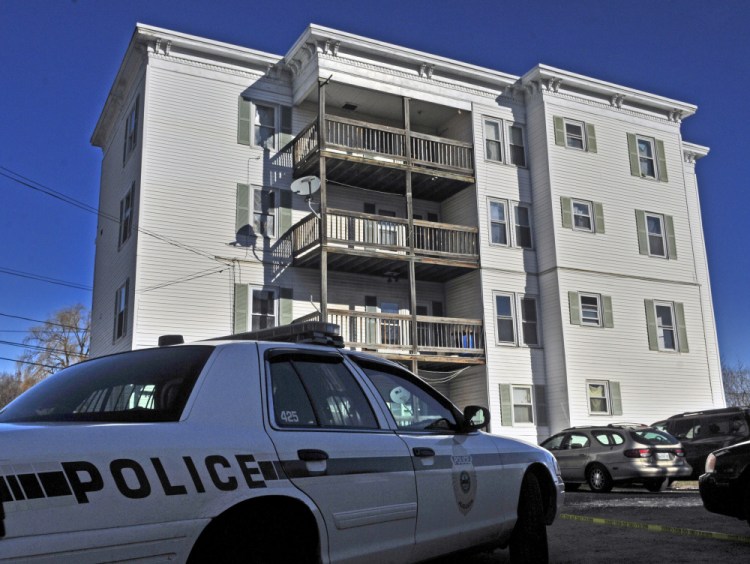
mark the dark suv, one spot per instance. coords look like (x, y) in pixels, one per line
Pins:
(702, 432)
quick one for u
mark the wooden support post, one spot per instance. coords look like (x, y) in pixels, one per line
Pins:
(323, 201)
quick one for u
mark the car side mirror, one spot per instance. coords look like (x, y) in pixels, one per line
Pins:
(475, 417)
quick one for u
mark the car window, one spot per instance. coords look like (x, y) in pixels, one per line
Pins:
(653, 437)
(608, 438)
(684, 428)
(412, 406)
(312, 391)
(616, 438)
(724, 425)
(133, 387)
(578, 440)
(554, 443)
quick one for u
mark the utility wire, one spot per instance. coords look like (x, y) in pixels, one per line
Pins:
(34, 185)
(32, 363)
(195, 276)
(40, 321)
(41, 278)
(41, 349)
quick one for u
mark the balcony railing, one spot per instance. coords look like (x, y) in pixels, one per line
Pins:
(390, 332)
(379, 141)
(347, 228)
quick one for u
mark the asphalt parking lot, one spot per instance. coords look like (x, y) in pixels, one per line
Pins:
(633, 525)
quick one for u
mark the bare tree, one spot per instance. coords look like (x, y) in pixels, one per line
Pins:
(63, 340)
(10, 387)
(736, 384)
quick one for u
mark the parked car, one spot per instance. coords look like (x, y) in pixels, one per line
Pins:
(702, 432)
(725, 486)
(261, 451)
(617, 454)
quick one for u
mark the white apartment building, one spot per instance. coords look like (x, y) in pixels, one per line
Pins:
(530, 243)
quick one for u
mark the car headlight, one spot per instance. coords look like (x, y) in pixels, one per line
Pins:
(710, 463)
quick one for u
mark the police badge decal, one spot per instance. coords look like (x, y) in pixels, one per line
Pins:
(464, 481)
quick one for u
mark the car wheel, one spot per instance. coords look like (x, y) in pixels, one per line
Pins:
(599, 479)
(654, 485)
(528, 543)
(571, 487)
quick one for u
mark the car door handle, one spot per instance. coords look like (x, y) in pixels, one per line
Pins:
(423, 452)
(312, 455)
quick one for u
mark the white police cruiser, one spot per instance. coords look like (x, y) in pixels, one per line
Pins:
(261, 451)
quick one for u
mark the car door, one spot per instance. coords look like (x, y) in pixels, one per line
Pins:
(461, 496)
(335, 447)
(555, 445)
(575, 455)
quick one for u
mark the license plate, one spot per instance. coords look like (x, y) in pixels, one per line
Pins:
(662, 456)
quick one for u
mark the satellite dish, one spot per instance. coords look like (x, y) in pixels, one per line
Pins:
(306, 186)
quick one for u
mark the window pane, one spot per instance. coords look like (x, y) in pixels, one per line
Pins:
(590, 310)
(574, 135)
(523, 414)
(497, 211)
(505, 333)
(523, 227)
(503, 305)
(644, 148)
(499, 236)
(291, 405)
(522, 395)
(596, 390)
(664, 316)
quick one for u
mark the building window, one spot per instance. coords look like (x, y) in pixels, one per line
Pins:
(493, 141)
(590, 310)
(575, 134)
(599, 401)
(121, 311)
(131, 131)
(523, 410)
(505, 313)
(263, 309)
(498, 223)
(529, 322)
(647, 157)
(582, 220)
(516, 146)
(126, 217)
(523, 226)
(264, 212)
(263, 124)
(665, 327)
(655, 227)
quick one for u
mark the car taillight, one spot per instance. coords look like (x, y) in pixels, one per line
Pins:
(710, 463)
(678, 452)
(638, 453)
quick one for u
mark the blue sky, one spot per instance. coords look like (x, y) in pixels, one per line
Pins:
(59, 59)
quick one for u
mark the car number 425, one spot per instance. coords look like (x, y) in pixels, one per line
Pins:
(289, 417)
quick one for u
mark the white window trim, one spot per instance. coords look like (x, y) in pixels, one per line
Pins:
(515, 206)
(607, 397)
(653, 157)
(278, 109)
(599, 314)
(580, 124)
(510, 223)
(504, 203)
(516, 317)
(513, 404)
(250, 289)
(590, 205)
(274, 210)
(660, 328)
(663, 227)
(504, 126)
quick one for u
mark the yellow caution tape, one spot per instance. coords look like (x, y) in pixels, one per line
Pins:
(655, 528)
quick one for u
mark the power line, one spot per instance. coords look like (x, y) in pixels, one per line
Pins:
(41, 278)
(47, 322)
(41, 349)
(34, 185)
(195, 276)
(32, 363)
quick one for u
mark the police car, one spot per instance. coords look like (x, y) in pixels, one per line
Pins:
(252, 450)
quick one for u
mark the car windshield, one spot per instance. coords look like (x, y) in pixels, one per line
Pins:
(653, 437)
(134, 387)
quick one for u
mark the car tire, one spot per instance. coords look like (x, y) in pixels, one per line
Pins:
(654, 485)
(528, 543)
(571, 487)
(599, 479)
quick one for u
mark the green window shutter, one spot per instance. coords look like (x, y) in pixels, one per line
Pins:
(590, 138)
(615, 397)
(286, 306)
(662, 160)
(285, 135)
(242, 217)
(244, 123)
(285, 211)
(240, 308)
(671, 239)
(567, 212)
(679, 314)
(559, 130)
(598, 217)
(653, 339)
(635, 167)
(506, 406)
(575, 308)
(640, 222)
(540, 399)
(609, 320)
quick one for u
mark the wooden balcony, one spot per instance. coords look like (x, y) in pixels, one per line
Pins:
(440, 340)
(369, 244)
(374, 156)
